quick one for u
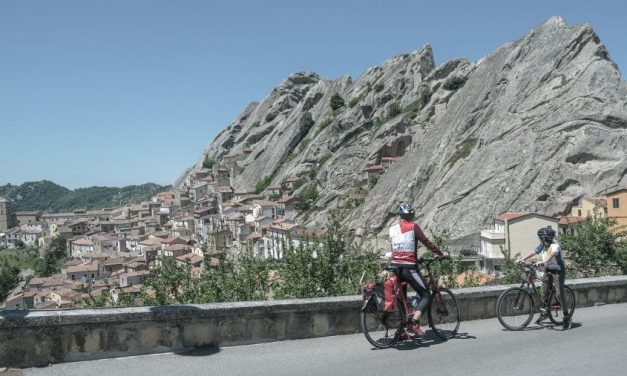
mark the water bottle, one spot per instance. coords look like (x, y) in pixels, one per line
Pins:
(414, 301)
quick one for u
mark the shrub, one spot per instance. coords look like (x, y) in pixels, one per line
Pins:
(355, 100)
(454, 83)
(270, 117)
(394, 110)
(208, 162)
(378, 87)
(337, 102)
(595, 246)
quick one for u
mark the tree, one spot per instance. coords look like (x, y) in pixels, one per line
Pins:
(337, 102)
(325, 268)
(449, 270)
(594, 246)
(208, 162)
(9, 277)
(54, 257)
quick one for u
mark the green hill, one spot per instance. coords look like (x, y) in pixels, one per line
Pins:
(50, 197)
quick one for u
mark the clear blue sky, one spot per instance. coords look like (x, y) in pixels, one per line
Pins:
(122, 92)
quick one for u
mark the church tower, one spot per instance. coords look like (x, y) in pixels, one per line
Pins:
(6, 215)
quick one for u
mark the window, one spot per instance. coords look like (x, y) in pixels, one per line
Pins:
(615, 203)
(579, 213)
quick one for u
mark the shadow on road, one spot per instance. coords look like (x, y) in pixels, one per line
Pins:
(201, 351)
(429, 340)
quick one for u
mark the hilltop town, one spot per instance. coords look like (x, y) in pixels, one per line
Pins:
(114, 250)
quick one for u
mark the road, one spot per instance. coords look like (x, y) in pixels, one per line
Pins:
(594, 346)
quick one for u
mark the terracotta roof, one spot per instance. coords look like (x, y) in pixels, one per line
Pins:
(510, 216)
(568, 220)
(598, 201)
(83, 242)
(82, 268)
(373, 168)
(263, 203)
(177, 247)
(192, 257)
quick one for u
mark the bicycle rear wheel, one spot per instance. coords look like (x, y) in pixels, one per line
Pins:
(444, 314)
(556, 313)
(514, 308)
(380, 328)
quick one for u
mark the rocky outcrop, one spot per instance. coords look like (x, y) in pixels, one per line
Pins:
(534, 125)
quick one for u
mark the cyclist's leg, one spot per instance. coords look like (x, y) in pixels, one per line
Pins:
(418, 283)
(561, 277)
(547, 282)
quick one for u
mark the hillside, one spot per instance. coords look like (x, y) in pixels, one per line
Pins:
(47, 196)
(532, 126)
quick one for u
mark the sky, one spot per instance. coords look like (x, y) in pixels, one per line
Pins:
(122, 92)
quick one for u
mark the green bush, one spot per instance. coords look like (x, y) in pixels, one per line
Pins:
(337, 102)
(462, 151)
(270, 117)
(394, 110)
(454, 83)
(595, 246)
(208, 162)
(355, 100)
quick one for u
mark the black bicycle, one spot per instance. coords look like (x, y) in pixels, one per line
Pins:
(516, 306)
(384, 329)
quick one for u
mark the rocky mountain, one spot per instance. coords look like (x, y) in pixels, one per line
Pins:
(532, 126)
(47, 196)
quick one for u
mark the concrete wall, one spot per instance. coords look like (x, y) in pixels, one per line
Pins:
(36, 338)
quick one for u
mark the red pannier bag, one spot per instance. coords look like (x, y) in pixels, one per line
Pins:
(385, 296)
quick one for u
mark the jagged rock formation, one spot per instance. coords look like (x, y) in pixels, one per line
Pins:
(532, 126)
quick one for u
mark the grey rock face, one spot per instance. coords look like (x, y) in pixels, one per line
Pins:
(536, 124)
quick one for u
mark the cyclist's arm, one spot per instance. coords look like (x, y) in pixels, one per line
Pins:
(550, 253)
(529, 255)
(427, 243)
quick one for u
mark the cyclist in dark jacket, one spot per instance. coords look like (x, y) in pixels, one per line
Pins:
(551, 255)
(404, 238)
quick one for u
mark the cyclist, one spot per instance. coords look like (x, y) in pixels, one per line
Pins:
(404, 237)
(551, 255)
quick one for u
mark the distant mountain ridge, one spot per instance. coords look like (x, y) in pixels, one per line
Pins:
(47, 196)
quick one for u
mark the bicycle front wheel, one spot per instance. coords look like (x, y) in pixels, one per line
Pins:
(380, 328)
(514, 308)
(556, 313)
(444, 314)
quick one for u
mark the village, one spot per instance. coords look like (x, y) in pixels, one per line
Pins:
(114, 250)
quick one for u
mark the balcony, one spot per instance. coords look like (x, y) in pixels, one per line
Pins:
(492, 235)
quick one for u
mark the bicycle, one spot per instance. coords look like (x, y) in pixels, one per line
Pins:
(515, 307)
(384, 329)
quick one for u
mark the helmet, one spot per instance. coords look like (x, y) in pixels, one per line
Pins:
(406, 209)
(546, 234)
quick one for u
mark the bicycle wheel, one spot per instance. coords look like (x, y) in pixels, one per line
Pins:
(444, 314)
(556, 314)
(381, 329)
(514, 308)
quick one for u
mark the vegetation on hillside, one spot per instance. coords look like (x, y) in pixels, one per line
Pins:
(47, 196)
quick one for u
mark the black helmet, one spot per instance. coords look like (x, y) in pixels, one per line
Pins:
(546, 234)
(406, 209)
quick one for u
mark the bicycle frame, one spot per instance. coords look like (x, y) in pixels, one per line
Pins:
(530, 281)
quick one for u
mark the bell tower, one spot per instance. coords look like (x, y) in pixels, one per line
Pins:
(6, 215)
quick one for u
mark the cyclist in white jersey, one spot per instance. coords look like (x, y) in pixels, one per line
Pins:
(404, 238)
(550, 253)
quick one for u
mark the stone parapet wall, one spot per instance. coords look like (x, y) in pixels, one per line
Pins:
(36, 338)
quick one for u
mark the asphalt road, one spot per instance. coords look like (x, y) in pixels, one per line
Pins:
(595, 345)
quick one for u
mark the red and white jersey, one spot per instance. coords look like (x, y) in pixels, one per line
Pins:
(403, 238)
